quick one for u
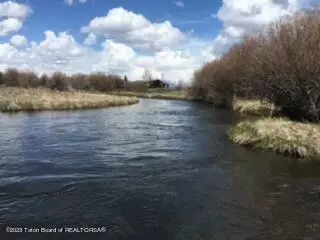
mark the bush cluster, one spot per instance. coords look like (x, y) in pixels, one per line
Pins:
(281, 64)
(63, 82)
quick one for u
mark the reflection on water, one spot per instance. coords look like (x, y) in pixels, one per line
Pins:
(155, 170)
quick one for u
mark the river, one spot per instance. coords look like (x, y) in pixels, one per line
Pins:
(156, 170)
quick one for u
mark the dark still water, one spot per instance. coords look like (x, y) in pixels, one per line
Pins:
(156, 170)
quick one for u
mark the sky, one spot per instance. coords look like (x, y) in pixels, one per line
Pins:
(125, 37)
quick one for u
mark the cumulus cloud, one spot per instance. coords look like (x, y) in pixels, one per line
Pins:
(71, 2)
(251, 14)
(19, 40)
(117, 57)
(134, 29)
(62, 45)
(247, 16)
(168, 59)
(91, 39)
(125, 33)
(61, 52)
(14, 10)
(7, 51)
(12, 17)
(9, 26)
(56, 52)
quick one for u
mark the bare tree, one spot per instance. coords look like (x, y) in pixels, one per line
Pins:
(147, 76)
(125, 79)
(281, 64)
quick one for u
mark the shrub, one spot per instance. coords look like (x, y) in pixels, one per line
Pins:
(286, 69)
(117, 82)
(136, 86)
(62, 82)
(59, 81)
(79, 81)
(100, 82)
(28, 79)
(25, 79)
(1, 78)
(281, 65)
(211, 84)
(44, 80)
(11, 77)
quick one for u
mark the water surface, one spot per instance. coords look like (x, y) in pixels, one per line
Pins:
(156, 170)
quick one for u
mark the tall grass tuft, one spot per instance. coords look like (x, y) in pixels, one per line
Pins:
(166, 94)
(254, 107)
(279, 135)
(35, 99)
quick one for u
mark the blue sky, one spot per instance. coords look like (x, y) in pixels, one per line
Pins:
(167, 37)
(58, 16)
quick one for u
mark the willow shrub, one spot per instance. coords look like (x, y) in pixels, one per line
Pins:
(280, 64)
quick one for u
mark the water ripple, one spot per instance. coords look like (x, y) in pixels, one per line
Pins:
(156, 170)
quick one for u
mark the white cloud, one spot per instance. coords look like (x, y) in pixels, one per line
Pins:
(251, 14)
(12, 16)
(247, 16)
(166, 49)
(9, 26)
(179, 3)
(19, 40)
(61, 52)
(117, 57)
(6, 51)
(14, 10)
(234, 32)
(56, 52)
(134, 29)
(63, 44)
(122, 59)
(168, 59)
(90, 40)
(71, 2)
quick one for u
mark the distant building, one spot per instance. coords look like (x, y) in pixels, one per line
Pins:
(157, 83)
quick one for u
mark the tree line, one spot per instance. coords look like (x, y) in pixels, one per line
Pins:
(59, 81)
(280, 64)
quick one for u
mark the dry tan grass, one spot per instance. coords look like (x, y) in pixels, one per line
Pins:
(254, 107)
(164, 94)
(18, 99)
(279, 135)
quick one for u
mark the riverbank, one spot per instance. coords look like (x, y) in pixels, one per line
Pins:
(279, 135)
(285, 137)
(38, 99)
(158, 94)
(254, 107)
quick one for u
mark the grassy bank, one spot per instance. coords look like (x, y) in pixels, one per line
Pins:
(35, 99)
(279, 135)
(159, 94)
(254, 107)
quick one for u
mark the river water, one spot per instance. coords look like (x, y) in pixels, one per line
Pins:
(156, 170)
